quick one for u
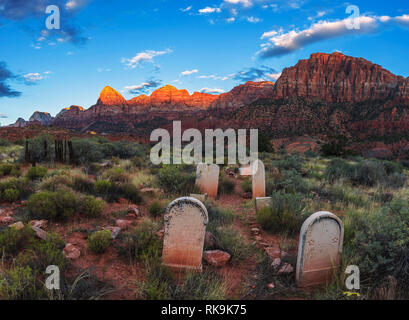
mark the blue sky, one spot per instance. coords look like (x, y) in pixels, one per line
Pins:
(208, 46)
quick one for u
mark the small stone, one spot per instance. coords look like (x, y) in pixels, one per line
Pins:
(273, 252)
(114, 231)
(255, 231)
(6, 220)
(210, 240)
(286, 269)
(40, 233)
(264, 244)
(270, 286)
(133, 210)
(42, 224)
(71, 252)
(276, 263)
(123, 224)
(258, 238)
(18, 225)
(216, 258)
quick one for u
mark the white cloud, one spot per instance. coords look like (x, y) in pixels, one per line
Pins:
(253, 19)
(212, 91)
(186, 9)
(33, 77)
(274, 76)
(230, 20)
(244, 3)
(143, 57)
(281, 43)
(209, 10)
(189, 72)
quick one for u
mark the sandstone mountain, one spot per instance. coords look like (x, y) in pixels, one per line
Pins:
(325, 95)
(41, 118)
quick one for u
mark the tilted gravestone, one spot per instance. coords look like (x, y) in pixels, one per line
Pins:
(319, 249)
(185, 228)
(258, 179)
(207, 179)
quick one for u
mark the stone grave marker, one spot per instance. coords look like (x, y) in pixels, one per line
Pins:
(207, 179)
(258, 179)
(185, 228)
(319, 249)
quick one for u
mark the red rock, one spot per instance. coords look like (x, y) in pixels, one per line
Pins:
(216, 258)
(273, 253)
(71, 252)
(42, 224)
(6, 220)
(123, 224)
(111, 97)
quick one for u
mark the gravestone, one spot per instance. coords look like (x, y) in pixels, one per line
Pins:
(207, 179)
(262, 203)
(185, 228)
(258, 179)
(319, 249)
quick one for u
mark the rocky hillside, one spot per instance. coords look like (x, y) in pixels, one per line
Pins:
(327, 94)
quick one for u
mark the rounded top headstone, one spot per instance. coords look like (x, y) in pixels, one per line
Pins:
(192, 201)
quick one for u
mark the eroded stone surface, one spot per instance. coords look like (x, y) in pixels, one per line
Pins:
(319, 250)
(185, 227)
(258, 179)
(207, 179)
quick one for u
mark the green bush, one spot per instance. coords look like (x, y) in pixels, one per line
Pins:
(99, 241)
(10, 195)
(42, 254)
(177, 179)
(156, 209)
(226, 186)
(127, 191)
(58, 205)
(83, 184)
(290, 182)
(92, 207)
(22, 185)
(102, 187)
(116, 175)
(15, 172)
(55, 182)
(5, 169)
(285, 213)
(247, 186)
(35, 173)
(12, 241)
(289, 162)
(142, 242)
(20, 283)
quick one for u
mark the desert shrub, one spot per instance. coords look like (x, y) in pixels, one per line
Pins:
(92, 207)
(159, 284)
(127, 191)
(102, 187)
(177, 179)
(5, 169)
(116, 175)
(4, 143)
(54, 182)
(218, 217)
(285, 213)
(15, 172)
(42, 254)
(367, 173)
(290, 182)
(99, 241)
(24, 186)
(10, 195)
(141, 242)
(12, 241)
(83, 184)
(247, 185)
(35, 173)
(42, 205)
(230, 241)
(20, 283)
(58, 205)
(382, 245)
(156, 209)
(310, 154)
(289, 162)
(226, 186)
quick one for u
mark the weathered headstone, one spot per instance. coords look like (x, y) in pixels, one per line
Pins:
(258, 179)
(185, 228)
(207, 179)
(319, 249)
(262, 203)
